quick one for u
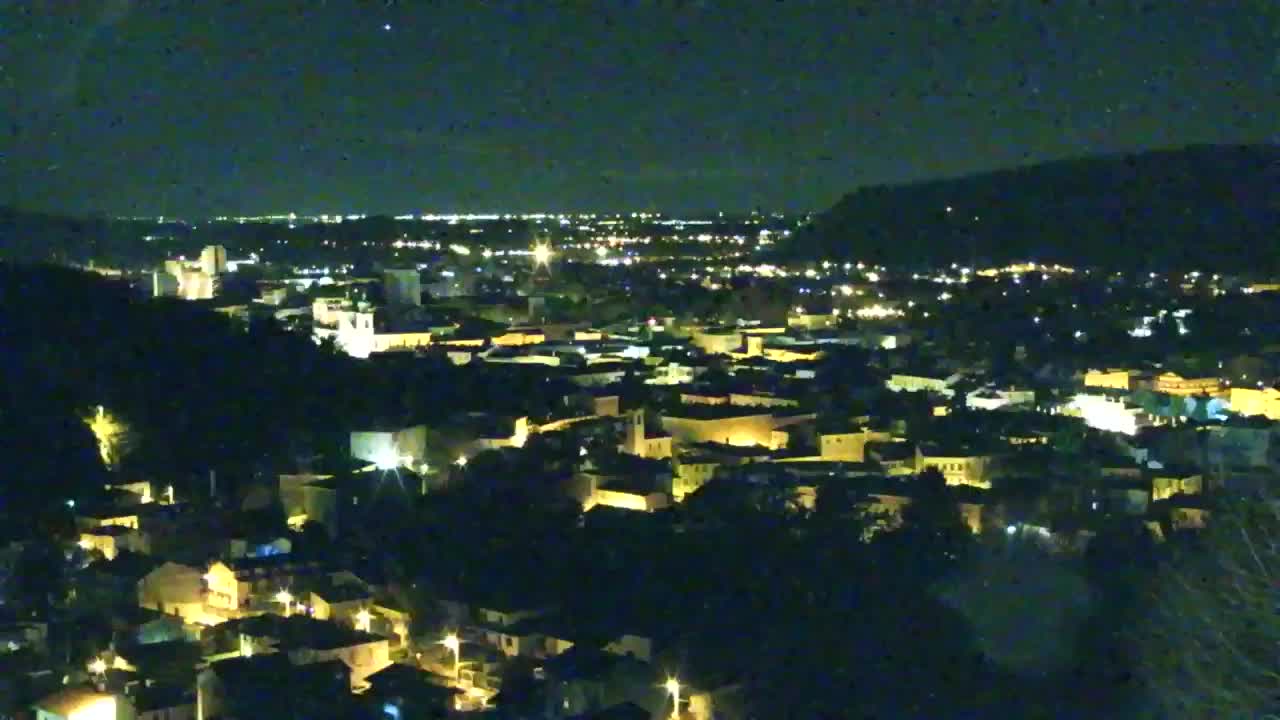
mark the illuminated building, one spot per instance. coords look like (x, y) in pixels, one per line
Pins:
(906, 382)
(1114, 379)
(1174, 384)
(1103, 412)
(849, 447)
(959, 468)
(1248, 401)
(213, 260)
(83, 704)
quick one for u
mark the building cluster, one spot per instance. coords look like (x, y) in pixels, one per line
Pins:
(845, 394)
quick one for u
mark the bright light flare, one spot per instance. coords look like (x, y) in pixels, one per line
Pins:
(542, 254)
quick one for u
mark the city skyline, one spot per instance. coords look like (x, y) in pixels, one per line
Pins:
(134, 109)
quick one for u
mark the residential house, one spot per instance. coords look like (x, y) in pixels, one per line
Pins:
(582, 680)
(174, 589)
(83, 703)
(339, 602)
(306, 641)
(165, 702)
(958, 465)
(110, 540)
(402, 691)
(264, 686)
(849, 446)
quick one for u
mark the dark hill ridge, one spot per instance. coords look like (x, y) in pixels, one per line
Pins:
(1210, 207)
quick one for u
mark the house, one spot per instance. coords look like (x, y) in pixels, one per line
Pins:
(264, 686)
(959, 466)
(623, 481)
(310, 497)
(111, 540)
(165, 702)
(849, 446)
(1167, 482)
(896, 458)
(233, 584)
(340, 602)
(582, 680)
(306, 641)
(174, 589)
(402, 691)
(82, 703)
(112, 583)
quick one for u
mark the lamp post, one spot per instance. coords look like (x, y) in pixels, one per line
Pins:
(452, 642)
(672, 686)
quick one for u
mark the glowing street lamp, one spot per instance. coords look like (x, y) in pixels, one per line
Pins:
(364, 620)
(284, 597)
(542, 254)
(672, 687)
(98, 666)
(452, 642)
(461, 461)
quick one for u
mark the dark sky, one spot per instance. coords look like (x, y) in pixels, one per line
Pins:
(217, 106)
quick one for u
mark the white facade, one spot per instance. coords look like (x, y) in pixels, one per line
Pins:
(1104, 413)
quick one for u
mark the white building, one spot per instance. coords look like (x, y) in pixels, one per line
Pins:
(1105, 413)
(994, 399)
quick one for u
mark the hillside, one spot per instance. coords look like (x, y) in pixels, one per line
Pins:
(1201, 207)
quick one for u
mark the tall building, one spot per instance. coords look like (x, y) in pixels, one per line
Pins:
(402, 286)
(213, 259)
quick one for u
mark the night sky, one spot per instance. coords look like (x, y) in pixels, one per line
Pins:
(206, 107)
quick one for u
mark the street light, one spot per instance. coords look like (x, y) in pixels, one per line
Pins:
(452, 642)
(364, 620)
(541, 254)
(284, 597)
(672, 686)
(461, 461)
(98, 666)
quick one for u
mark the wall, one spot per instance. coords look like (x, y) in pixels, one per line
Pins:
(743, 430)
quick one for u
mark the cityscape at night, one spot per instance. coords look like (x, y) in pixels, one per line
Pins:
(639, 361)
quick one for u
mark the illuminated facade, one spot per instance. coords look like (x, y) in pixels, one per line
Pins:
(1264, 402)
(1174, 384)
(972, 470)
(83, 704)
(1111, 414)
(1114, 379)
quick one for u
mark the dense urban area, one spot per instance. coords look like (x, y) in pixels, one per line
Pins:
(626, 466)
